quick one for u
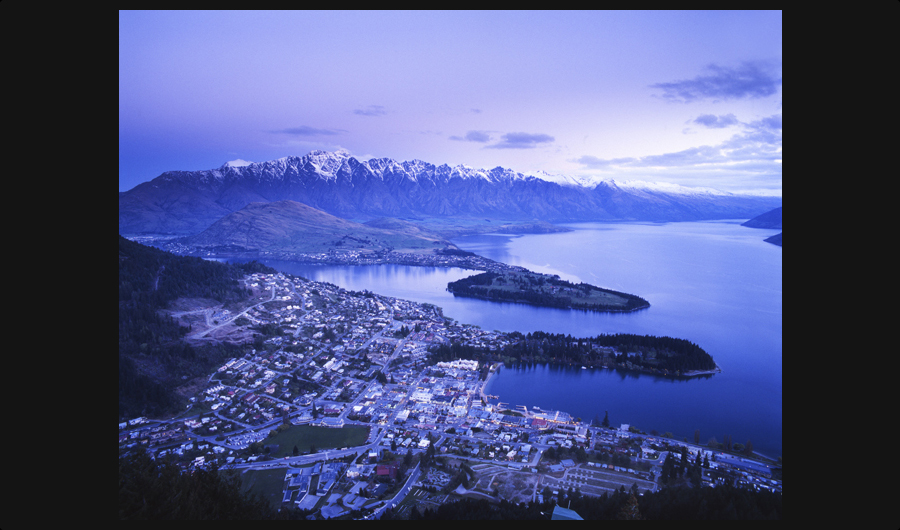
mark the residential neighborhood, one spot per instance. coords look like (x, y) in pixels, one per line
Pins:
(333, 364)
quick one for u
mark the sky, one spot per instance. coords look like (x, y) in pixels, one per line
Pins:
(682, 97)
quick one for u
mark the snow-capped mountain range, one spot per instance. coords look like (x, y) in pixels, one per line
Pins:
(186, 202)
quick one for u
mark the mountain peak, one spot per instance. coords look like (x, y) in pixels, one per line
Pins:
(236, 163)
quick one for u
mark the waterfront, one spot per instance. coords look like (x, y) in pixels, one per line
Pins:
(717, 284)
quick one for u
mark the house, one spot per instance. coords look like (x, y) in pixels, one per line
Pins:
(386, 472)
(336, 423)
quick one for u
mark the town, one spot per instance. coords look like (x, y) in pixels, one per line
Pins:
(340, 409)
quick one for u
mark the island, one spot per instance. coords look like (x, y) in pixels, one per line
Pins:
(546, 290)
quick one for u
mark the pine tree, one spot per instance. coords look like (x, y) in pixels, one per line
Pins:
(630, 511)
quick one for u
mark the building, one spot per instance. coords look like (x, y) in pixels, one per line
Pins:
(564, 514)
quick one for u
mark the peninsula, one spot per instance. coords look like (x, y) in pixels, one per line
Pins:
(524, 286)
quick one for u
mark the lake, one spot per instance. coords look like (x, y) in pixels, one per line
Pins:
(715, 283)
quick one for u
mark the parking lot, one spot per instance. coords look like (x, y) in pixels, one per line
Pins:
(593, 481)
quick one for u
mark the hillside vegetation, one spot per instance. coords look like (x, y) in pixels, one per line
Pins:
(153, 359)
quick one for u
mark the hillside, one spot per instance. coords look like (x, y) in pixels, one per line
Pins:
(153, 360)
(293, 227)
(770, 219)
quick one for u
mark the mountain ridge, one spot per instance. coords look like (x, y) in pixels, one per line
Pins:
(187, 202)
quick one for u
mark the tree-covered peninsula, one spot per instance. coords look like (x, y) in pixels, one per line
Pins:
(625, 351)
(522, 286)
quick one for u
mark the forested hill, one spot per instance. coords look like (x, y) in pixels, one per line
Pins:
(544, 290)
(152, 356)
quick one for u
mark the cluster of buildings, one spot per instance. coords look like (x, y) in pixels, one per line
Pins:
(341, 358)
(424, 259)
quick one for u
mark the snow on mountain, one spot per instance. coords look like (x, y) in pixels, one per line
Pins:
(666, 187)
(185, 202)
(567, 180)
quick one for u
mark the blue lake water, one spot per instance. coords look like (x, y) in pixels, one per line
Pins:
(717, 284)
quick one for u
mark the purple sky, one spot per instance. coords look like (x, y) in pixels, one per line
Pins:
(692, 98)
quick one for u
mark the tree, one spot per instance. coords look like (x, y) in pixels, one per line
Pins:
(696, 477)
(606, 419)
(547, 493)
(159, 489)
(697, 436)
(630, 511)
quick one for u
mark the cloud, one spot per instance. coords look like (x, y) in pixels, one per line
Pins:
(521, 141)
(371, 110)
(750, 80)
(305, 130)
(473, 136)
(756, 148)
(598, 163)
(771, 123)
(716, 122)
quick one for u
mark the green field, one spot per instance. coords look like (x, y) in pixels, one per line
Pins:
(307, 436)
(267, 484)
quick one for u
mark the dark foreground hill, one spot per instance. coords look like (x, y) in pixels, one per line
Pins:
(153, 359)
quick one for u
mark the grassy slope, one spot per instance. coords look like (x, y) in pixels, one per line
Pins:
(289, 226)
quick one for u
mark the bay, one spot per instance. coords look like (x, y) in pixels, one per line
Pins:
(717, 284)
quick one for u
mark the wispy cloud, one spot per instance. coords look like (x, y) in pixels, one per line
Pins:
(757, 146)
(521, 141)
(305, 130)
(371, 110)
(593, 162)
(716, 122)
(750, 80)
(473, 136)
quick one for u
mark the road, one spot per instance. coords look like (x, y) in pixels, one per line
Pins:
(214, 327)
